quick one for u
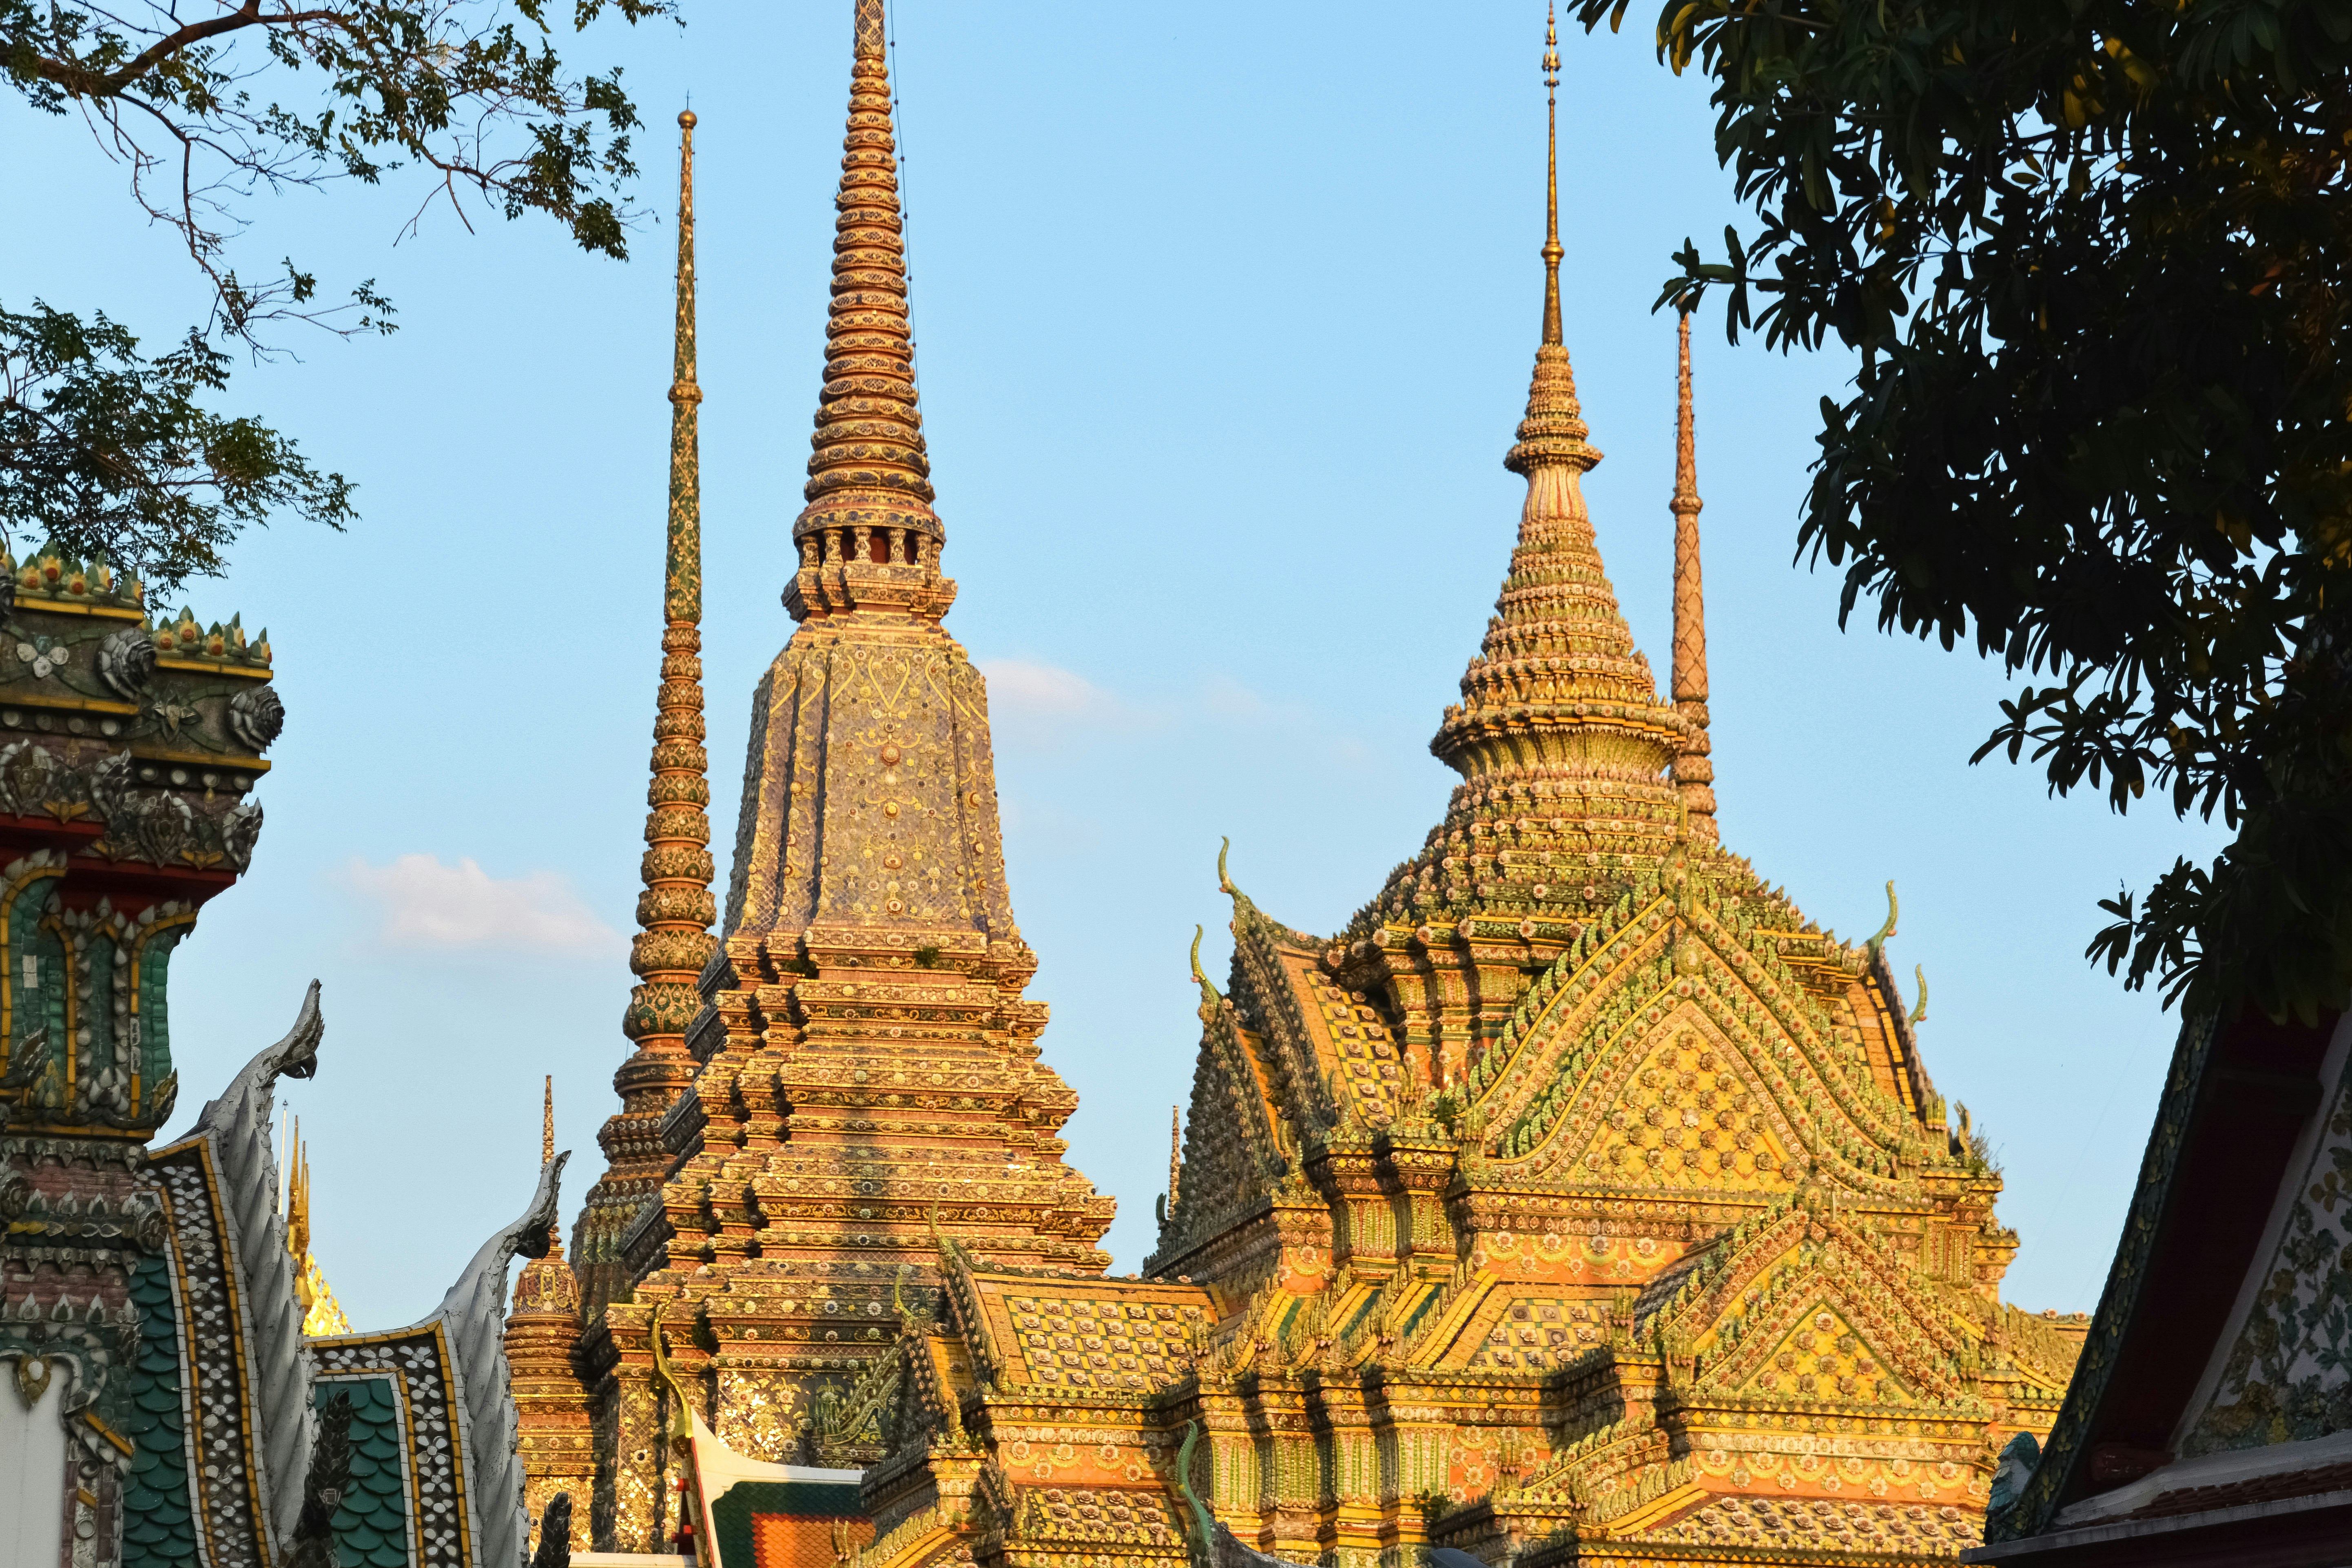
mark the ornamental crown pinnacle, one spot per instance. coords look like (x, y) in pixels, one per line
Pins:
(869, 537)
(1559, 704)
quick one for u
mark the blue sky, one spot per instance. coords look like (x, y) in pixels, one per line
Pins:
(1225, 315)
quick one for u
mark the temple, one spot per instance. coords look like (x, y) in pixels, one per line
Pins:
(853, 1070)
(181, 1389)
(1578, 1202)
(2213, 1418)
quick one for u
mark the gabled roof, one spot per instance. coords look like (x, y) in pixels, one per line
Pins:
(2210, 1305)
(433, 1479)
(1079, 1336)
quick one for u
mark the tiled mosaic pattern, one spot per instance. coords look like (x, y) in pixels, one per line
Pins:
(1081, 1343)
(430, 1429)
(227, 1501)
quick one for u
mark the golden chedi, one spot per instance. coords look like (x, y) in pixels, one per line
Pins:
(1580, 1201)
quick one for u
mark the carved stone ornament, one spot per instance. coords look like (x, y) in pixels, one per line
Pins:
(256, 716)
(25, 773)
(32, 1380)
(126, 662)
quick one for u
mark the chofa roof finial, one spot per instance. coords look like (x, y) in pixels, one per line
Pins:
(1892, 908)
(1210, 998)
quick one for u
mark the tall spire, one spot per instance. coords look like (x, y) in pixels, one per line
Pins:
(547, 1153)
(676, 909)
(1694, 769)
(868, 939)
(869, 488)
(1551, 250)
(1557, 703)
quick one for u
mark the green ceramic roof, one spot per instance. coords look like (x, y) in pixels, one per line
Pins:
(372, 1522)
(158, 1530)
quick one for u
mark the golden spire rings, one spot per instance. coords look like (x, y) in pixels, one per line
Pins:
(675, 910)
(1551, 250)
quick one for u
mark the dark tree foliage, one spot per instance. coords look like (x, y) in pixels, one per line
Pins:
(103, 452)
(2096, 257)
(207, 104)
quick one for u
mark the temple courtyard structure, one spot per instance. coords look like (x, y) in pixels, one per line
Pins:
(1580, 1201)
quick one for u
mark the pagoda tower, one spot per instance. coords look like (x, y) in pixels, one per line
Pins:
(1579, 1204)
(863, 1079)
(674, 911)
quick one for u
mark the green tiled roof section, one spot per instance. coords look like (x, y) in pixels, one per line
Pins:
(372, 1522)
(159, 1529)
(731, 1512)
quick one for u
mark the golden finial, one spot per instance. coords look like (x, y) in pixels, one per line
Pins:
(1551, 250)
(1685, 443)
(547, 1124)
(1552, 434)
(682, 591)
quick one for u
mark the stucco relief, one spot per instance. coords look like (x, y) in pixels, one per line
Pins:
(2289, 1376)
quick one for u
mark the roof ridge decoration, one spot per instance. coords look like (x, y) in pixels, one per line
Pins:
(236, 1125)
(472, 1316)
(1755, 1281)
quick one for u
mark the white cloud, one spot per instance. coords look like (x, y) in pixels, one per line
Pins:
(1019, 688)
(425, 904)
(1040, 706)
(1223, 697)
